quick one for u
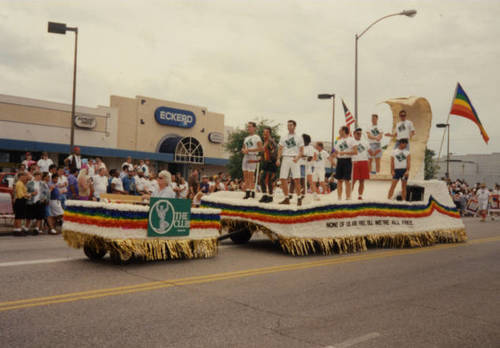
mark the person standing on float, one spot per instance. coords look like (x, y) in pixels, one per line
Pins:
(291, 147)
(252, 145)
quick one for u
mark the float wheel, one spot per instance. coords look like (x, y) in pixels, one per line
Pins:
(119, 259)
(241, 236)
(93, 253)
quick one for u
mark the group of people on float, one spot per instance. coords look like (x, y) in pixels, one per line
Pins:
(354, 156)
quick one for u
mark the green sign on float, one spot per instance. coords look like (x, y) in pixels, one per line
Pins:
(169, 217)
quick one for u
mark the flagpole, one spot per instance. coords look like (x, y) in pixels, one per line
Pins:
(447, 121)
(333, 121)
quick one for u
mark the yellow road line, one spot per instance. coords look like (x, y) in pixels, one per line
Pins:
(92, 294)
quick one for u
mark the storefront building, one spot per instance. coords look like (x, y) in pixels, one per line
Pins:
(171, 135)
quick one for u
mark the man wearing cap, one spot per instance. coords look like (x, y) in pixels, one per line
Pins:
(360, 169)
(404, 130)
(74, 160)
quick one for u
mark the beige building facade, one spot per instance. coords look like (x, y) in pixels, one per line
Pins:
(172, 135)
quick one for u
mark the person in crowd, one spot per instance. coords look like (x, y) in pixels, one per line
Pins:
(21, 169)
(62, 184)
(91, 168)
(100, 183)
(84, 184)
(404, 130)
(72, 190)
(193, 183)
(128, 164)
(45, 195)
(28, 162)
(360, 166)
(205, 185)
(375, 134)
(400, 168)
(164, 186)
(44, 162)
(116, 183)
(291, 148)
(252, 145)
(483, 199)
(100, 164)
(21, 196)
(34, 206)
(52, 170)
(55, 207)
(182, 188)
(345, 149)
(319, 176)
(125, 171)
(140, 182)
(74, 160)
(144, 168)
(129, 184)
(152, 182)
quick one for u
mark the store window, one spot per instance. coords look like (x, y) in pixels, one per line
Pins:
(189, 150)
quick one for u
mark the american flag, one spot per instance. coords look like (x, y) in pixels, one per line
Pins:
(348, 116)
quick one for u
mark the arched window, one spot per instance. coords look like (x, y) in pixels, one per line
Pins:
(189, 150)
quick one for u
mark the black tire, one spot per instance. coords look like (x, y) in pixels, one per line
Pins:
(93, 253)
(118, 259)
(241, 236)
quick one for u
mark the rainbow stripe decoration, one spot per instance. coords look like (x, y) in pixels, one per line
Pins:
(127, 219)
(461, 106)
(337, 211)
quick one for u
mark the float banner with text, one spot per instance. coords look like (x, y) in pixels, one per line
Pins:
(169, 217)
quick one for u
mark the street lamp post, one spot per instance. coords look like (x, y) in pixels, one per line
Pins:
(61, 28)
(330, 96)
(446, 125)
(408, 13)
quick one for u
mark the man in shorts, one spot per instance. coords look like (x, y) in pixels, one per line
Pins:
(252, 145)
(375, 135)
(360, 168)
(268, 166)
(319, 166)
(483, 198)
(400, 168)
(345, 148)
(404, 130)
(291, 147)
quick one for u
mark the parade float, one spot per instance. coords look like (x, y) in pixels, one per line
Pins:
(127, 231)
(427, 217)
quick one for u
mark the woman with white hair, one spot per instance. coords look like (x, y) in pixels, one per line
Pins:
(165, 189)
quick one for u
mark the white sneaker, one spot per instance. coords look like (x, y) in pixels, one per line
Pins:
(52, 231)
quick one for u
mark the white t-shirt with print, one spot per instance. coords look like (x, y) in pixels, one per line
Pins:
(404, 129)
(321, 160)
(374, 131)
(251, 142)
(400, 158)
(345, 144)
(291, 144)
(44, 164)
(362, 151)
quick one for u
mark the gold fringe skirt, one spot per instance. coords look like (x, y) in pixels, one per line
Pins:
(339, 245)
(147, 249)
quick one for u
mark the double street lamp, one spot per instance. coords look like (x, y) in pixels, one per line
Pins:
(408, 13)
(61, 28)
(446, 125)
(330, 96)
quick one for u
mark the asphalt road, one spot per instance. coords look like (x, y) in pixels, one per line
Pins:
(254, 296)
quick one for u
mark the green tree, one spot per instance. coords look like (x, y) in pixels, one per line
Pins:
(430, 165)
(235, 143)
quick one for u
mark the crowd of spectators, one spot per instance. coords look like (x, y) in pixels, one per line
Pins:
(467, 197)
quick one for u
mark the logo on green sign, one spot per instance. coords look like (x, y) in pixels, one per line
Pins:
(169, 217)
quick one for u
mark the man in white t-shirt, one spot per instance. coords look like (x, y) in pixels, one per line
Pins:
(252, 145)
(483, 198)
(319, 166)
(100, 182)
(404, 130)
(360, 168)
(75, 159)
(128, 163)
(117, 184)
(140, 182)
(375, 135)
(310, 157)
(291, 147)
(345, 148)
(400, 168)
(44, 162)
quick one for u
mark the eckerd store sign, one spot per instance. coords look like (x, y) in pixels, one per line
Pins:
(175, 117)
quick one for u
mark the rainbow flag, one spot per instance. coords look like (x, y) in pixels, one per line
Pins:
(462, 106)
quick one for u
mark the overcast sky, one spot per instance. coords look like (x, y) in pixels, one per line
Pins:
(263, 59)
